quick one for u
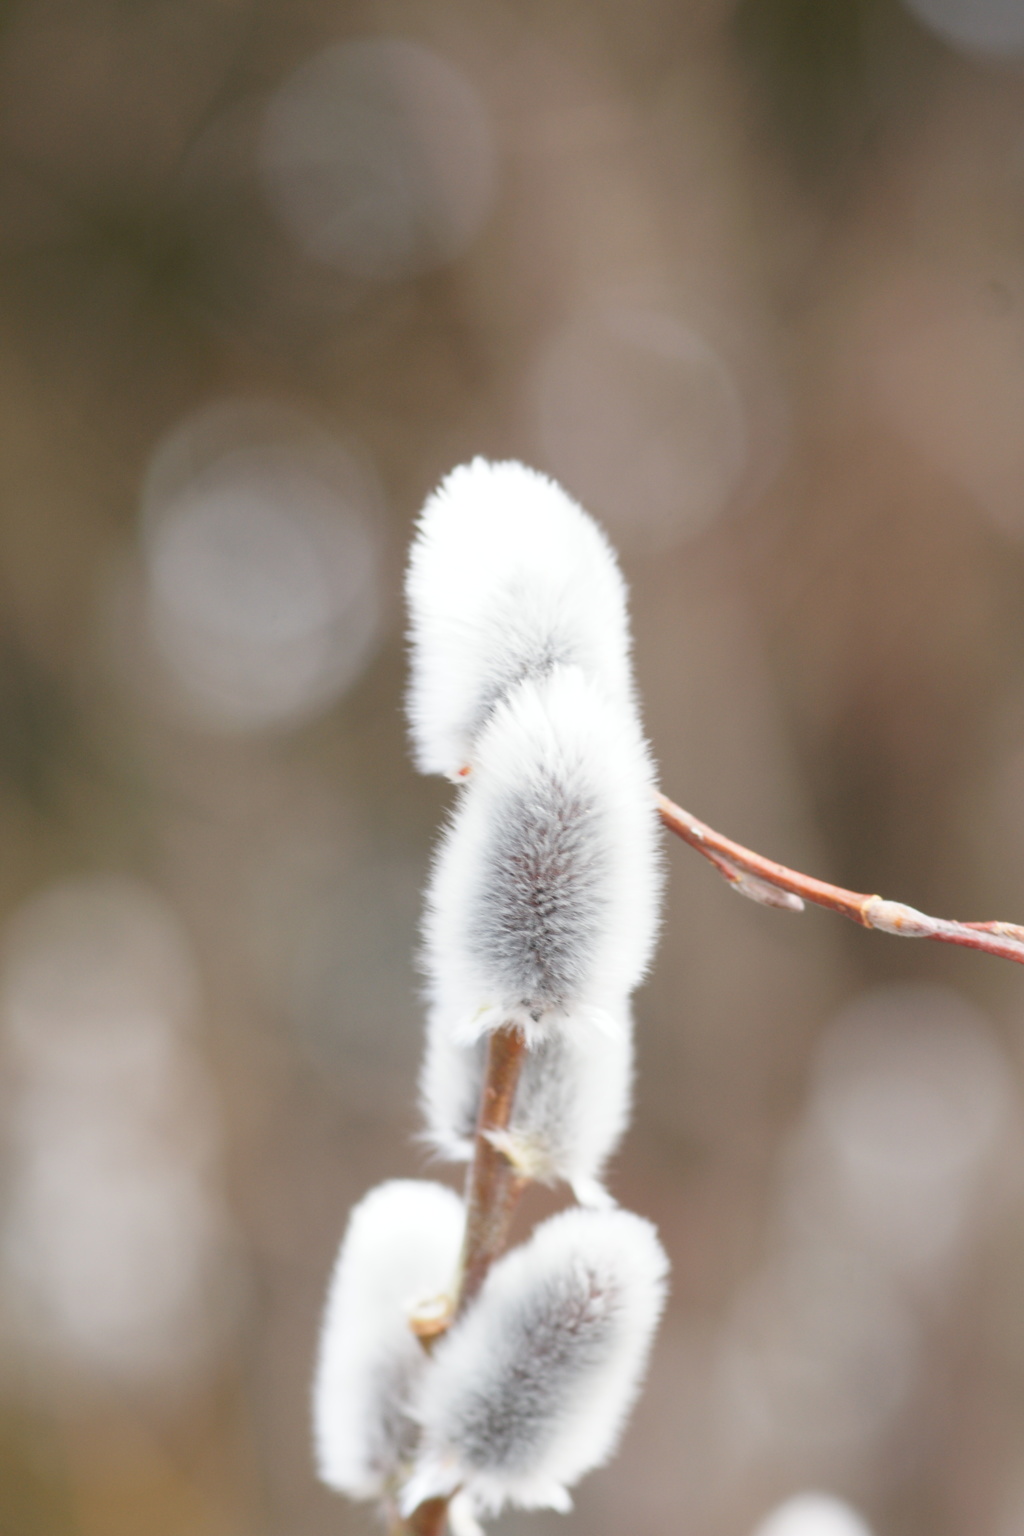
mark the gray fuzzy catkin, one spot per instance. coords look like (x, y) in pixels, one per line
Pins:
(543, 903)
(507, 578)
(401, 1246)
(571, 1104)
(813, 1514)
(531, 1388)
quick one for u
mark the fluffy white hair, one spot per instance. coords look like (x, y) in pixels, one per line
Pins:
(542, 907)
(571, 1106)
(532, 1388)
(813, 1514)
(401, 1246)
(507, 578)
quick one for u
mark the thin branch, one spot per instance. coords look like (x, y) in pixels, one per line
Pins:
(493, 1188)
(776, 886)
(430, 1519)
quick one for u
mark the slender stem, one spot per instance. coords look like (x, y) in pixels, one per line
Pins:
(773, 884)
(429, 1519)
(493, 1188)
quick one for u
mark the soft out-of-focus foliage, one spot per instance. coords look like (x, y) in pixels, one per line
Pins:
(748, 278)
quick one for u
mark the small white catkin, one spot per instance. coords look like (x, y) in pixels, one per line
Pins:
(542, 907)
(813, 1514)
(401, 1246)
(532, 1387)
(571, 1106)
(507, 578)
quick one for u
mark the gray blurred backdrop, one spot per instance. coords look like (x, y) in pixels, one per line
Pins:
(749, 279)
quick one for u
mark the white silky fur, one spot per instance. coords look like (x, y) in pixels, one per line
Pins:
(532, 1387)
(813, 1514)
(401, 1246)
(507, 578)
(542, 908)
(571, 1106)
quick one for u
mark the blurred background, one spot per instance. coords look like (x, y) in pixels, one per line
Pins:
(749, 279)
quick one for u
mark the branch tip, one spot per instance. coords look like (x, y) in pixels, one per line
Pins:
(761, 879)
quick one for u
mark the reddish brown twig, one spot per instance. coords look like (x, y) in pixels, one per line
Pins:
(493, 1188)
(429, 1519)
(773, 884)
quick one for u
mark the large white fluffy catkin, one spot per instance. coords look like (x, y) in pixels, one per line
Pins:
(401, 1246)
(542, 907)
(532, 1388)
(813, 1514)
(507, 578)
(571, 1105)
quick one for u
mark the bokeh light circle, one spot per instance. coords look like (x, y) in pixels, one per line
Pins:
(378, 156)
(643, 421)
(260, 560)
(993, 27)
